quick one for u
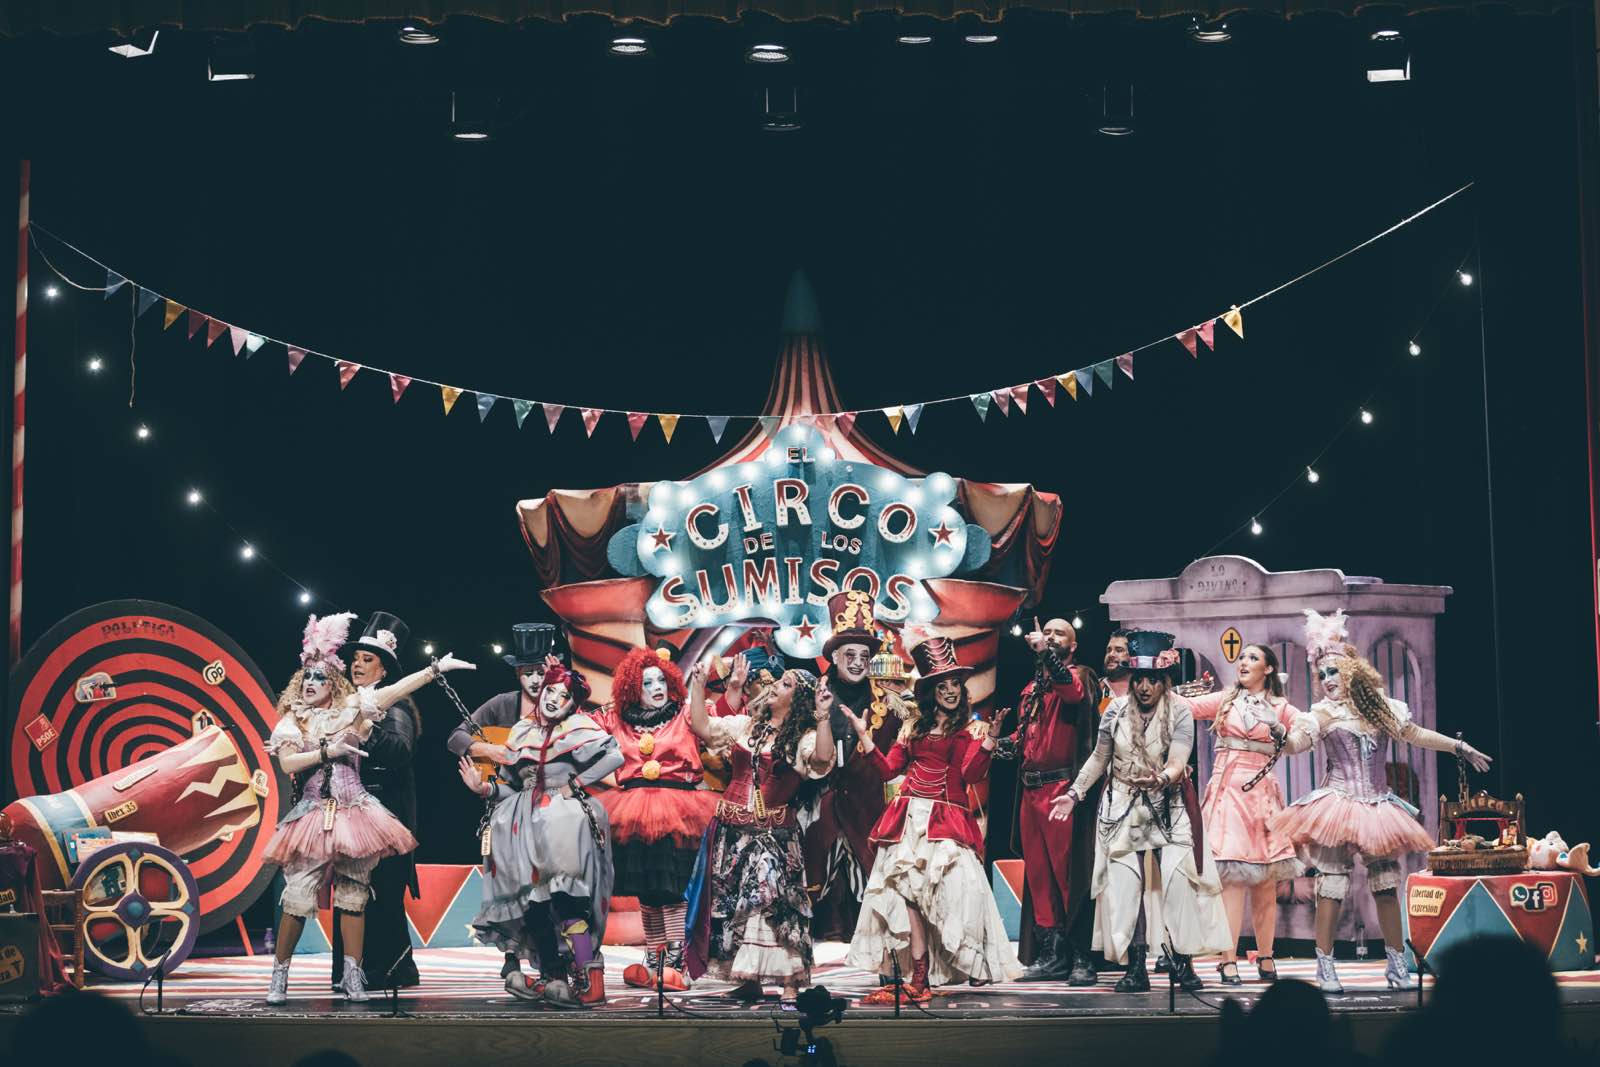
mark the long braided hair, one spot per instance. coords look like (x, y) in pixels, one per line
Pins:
(802, 717)
(1364, 685)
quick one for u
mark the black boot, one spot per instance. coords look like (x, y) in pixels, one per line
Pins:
(1183, 973)
(1163, 963)
(1082, 972)
(1048, 962)
(1135, 979)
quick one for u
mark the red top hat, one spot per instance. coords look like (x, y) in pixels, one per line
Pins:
(935, 659)
(850, 613)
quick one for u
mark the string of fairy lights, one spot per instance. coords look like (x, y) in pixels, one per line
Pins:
(250, 551)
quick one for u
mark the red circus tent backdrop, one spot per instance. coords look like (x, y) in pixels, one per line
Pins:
(568, 530)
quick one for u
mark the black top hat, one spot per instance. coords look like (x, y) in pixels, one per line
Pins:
(383, 637)
(531, 643)
(850, 613)
(1152, 650)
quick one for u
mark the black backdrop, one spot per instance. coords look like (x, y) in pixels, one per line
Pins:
(626, 239)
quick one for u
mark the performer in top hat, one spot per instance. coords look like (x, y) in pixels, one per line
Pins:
(1054, 736)
(1153, 875)
(1354, 810)
(336, 833)
(928, 908)
(530, 657)
(838, 843)
(387, 775)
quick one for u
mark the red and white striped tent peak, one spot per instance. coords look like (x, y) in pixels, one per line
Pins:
(567, 531)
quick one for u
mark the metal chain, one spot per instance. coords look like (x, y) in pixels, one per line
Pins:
(466, 717)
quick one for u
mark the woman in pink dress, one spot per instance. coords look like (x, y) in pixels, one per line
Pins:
(1249, 722)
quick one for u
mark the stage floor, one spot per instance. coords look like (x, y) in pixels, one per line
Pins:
(464, 982)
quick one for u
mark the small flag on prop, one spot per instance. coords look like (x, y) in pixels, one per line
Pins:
(1234, 318)
(174, 309)
(718, 423)
(913, 415)
(295, 356)
(520, 409)
(485, 402)
(196, 320)
(1206, 332)
(1002, 400)
(1125, 362)
(450, 394)
(981, 402)
(147, 300)
(591, 416)
(1069, 382)
(114, 281)
(347, 370)
(636, 421)
(1085, 381)
(215, 329)
(1047, 386)
(397, 385)
(1019, 396)
(846, 421)
(668, 424)
(552, 415)
(1104, 371)
(894, 415)
(1189, 339)
(238, 337)
(253, 343)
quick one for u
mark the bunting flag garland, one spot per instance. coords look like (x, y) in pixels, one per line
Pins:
(913, 415)
(636, 421)
(894, 415)
(520, 409)
(215, 329)
(1104, 371)
(114, 281)
(846, 421)
(668, 424)
(238, 338)
(450, 394)
(591, 416)
(1206, 332)
(1189, 339)
(397, 385)
(1047, 387)
(1234, 318)
(718, 423)
(196, 320)
(1085, 381)
(174, 309)
(485, 402)
(253, 343)
(1019, 397)
(1125, 361)
(552, 415)
(347, 371)
(295, 356)
(1069, 382)
(1002, 400)
(981, 402)
(147, 300)
(769, 424)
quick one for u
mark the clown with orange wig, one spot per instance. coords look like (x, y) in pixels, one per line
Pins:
(659, 813)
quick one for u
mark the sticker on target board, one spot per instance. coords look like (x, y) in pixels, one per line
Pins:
(41, 733)
(93, 688)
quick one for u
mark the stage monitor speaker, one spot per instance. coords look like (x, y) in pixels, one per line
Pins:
(19, 956)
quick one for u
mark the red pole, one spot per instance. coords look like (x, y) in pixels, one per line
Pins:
(19, 393)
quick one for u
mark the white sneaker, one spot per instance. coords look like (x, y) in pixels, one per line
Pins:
(278, 988)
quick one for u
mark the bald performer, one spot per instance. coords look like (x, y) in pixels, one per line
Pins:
(1055, 734)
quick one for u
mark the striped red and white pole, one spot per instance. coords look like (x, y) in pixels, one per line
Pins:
(19, 393)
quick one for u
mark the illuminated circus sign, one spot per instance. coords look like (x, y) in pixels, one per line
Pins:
(770, 540)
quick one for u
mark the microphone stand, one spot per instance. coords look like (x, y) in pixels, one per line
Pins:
(161, 981)
(1172, 982)
(899, 984)
(1423, 968)
(661, 984)
(395, 1010)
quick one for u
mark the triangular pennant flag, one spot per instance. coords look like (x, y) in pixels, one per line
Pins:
(238, 337)
(668, 424)
(1069, 382)
(1019, 397)
(914, 415)
(1234, 318)
(1125, 362)
(894, 415)
(347, 371)
(981, 402)
(718, 423)
(450, 394)
(1002, 400)
(485, 402)
(769, 424)
(147, 300)
(552, 415)
(397, 385)
(174, 309)
(591, 416)
(1047, 386)
(253, 343)
(1207, 331)
(114, 281)
(636, 421)
(520, 408)
(1085, 381)
(196, 320)
(295, 356)
(1104, 371)
(1190, 340)
(846, 421)
(215, 329)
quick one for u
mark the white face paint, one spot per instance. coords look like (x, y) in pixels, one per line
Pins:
(1330, 679)
(555, 703)
(316, 688)
(948, 693)
(653, 688)
(530, 678)
(852, 661)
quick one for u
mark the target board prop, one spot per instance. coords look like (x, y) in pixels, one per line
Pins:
(99, 706)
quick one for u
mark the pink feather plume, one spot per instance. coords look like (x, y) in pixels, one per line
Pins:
(1325, 634)
(324, 637)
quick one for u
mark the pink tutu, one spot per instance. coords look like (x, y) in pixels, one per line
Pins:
(359, 832)
(649, 815)
(1333, 818)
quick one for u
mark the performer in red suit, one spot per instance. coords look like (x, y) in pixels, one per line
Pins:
(928, 904)
(1055, 734)
(658, 813)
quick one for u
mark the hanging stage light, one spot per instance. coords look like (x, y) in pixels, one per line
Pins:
(412, 33)
(1388, 57)
(139, 44)
(767, 53)
(231, 59)
(629, 46)
(780, 110)
(981, 38)
(1202, 31)
(1116, 109)
(471, 115)
(914, 39)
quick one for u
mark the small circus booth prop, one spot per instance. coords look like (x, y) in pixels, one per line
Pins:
(802, 507)
(1222, 603)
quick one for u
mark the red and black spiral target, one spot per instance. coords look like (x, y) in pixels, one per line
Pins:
(164, 666)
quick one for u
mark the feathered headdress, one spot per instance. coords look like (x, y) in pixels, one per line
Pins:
(1326, 635)
(324, 638)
